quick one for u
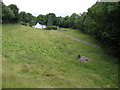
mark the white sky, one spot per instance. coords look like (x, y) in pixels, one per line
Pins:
(59, 7)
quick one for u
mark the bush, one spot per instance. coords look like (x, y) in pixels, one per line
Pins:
(30, 25)
(51, 28)
(23, 23)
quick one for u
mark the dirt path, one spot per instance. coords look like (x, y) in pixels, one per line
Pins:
(86, 42)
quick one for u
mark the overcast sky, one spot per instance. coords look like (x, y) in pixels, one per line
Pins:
(59, 7)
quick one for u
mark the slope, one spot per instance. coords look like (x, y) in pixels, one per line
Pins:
(35, 58)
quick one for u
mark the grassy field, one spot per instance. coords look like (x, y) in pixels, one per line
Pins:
(35, 58)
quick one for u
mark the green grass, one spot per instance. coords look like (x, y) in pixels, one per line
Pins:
(80, 35)
(35, 58)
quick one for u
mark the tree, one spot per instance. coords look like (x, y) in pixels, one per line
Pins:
(7, 14)
(23, 17)
(51, 19)
(31, 20)
(103, 22)
(27, 18)
(49, 22)
(15, 10)
(42, 19)
(80, 21)
(66, 22)
(73, 19)
(58, 21)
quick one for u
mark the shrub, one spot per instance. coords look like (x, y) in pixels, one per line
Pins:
(51, 28)
(23, 23)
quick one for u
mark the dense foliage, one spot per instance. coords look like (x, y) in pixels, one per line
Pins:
(49, 19)
(27, 19)
(15, 10)
(105, 21)
(51, 28)
(8, 15)
(41, 19)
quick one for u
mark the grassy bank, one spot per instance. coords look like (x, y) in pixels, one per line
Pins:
(35, 58)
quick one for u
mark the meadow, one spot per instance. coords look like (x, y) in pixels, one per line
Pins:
(34, 58)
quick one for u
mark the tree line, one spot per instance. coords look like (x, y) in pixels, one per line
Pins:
(10, 14)
(101, 21)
